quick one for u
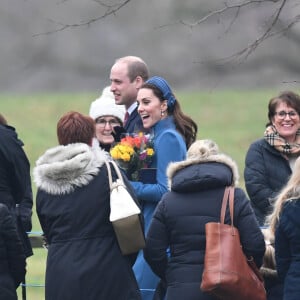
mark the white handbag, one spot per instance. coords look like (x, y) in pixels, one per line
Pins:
(124, 214)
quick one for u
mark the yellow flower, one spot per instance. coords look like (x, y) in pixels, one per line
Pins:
(125, 156)
(133, 152)
(150, 151)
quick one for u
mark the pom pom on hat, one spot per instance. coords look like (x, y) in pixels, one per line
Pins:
(106, 106)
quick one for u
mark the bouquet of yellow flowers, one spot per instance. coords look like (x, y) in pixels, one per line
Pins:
(133, 153)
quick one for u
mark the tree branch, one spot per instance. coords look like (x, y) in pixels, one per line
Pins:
(269, 32)
(110, 10)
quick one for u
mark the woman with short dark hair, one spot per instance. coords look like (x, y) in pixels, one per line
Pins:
(73, 206)
(270, 160)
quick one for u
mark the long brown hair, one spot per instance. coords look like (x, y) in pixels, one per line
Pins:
(2, 120)
(184, 124)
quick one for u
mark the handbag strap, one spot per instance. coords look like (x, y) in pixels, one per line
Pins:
(224, 204)
(228, 195)
(109, 173)
(231, 203)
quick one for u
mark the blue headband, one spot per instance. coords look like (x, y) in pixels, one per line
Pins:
(164, 87)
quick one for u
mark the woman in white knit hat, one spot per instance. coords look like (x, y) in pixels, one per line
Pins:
(108, 117)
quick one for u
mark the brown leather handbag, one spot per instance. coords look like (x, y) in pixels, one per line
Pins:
(228, 274)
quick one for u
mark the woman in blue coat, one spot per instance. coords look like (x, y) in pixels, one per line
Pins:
(73, 206)
(285, 224)
(197, 187)
(173, 133)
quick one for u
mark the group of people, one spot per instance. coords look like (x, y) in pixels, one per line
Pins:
(72, 202)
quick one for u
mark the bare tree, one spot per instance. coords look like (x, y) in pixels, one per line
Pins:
(110, 9)
(231, 10)
(230, 42)
(274, 25)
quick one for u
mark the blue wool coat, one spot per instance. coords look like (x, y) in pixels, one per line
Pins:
(266, 172)
(287, 249)
(169, 146)
(179, 224)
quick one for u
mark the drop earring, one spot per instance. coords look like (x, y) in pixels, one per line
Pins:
(162, 113)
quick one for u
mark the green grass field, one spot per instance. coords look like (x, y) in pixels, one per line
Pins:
(233, 119)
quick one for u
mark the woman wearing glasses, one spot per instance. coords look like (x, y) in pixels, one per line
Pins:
(270, 160)
(109, 119)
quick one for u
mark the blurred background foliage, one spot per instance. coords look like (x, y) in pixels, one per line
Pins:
(46, 47)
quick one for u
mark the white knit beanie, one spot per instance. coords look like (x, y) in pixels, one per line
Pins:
(106, 106)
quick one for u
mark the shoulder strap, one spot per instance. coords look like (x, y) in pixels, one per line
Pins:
(228, 195)
(224, 204)
(109, 173)
(231, 203)
(117, 171)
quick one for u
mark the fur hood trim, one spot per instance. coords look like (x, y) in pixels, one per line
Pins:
(63, 168)
(203, 151)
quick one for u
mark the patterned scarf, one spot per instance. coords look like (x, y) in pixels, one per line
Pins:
(279, 143)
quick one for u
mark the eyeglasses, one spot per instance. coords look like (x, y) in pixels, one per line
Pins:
(103, 122)
(282, 114)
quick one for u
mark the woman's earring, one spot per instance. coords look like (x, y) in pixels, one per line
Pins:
(162, 113)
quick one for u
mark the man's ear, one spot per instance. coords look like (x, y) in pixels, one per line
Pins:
(139, 82)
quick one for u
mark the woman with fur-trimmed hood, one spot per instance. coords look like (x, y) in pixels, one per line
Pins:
(73, 206)
(197, 186)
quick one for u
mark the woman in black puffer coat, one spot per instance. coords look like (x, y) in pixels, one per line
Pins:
(197, 187)
(73, 206)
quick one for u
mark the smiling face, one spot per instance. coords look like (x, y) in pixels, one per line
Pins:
(286, 124)
(150, 107)
(123, 89)
(104, 128)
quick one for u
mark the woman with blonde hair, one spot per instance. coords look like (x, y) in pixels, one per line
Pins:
(273, 285)
(197, 187)
(285, 224)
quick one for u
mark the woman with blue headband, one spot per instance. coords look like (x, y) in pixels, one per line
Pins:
(173, 133)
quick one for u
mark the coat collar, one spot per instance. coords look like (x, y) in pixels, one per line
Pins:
(167, 123)
(63, 168)
(174, 167)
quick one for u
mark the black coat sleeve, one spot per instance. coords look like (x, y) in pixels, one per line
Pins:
(14, 249)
